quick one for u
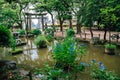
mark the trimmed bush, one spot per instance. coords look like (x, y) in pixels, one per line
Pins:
(50, 31)
(110, 49)
(65, 53)
(110, 46)
(41, 41)
(49, 38)
(70, 33)
(21, 32)
(36, 32)
(5, 36)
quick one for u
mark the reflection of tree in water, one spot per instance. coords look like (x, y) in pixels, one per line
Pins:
(30, 44)
(3, 52)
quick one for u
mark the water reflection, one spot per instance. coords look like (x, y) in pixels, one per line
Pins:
(38, 57)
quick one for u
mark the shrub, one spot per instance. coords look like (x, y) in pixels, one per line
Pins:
(110, 46)
(29, 32)
(50, 31)
(66, 53)
(21, 32)
(99, 72)
(49, 38)
(48, 73)
(5, 36)
(41, 41)
(36, 32)
(70, 33)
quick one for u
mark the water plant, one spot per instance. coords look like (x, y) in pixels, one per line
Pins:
(41, 41)
(110, 49)
(49, 38)
(110, 46)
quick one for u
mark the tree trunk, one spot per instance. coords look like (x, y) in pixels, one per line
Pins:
(78, 28)
(105, 32)
(52, 19)
(30, 22)
(42, 23)
(70, 22)
(109, 35)
(61, 23)
(27, 25)
(98, 27)
(91, 32)
(78, 25)
(20, 25)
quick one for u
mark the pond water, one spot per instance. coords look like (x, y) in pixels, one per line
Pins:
(33, 57)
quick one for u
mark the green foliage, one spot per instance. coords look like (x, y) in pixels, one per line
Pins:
(109, 18)
(5, 36)
(13, 44)
(8, 16)
(49, 38)
(49, 73)
(104, 75)
(97, 72)
(50, 31)
(29, 32)
(70, 33)
(36, 32)
(21, 32)
(41, 41)
(110, 46)
(65, 53)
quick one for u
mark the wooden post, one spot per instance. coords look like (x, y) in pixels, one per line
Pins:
(117, 37)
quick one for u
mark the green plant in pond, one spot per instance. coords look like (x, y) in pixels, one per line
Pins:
(5, 36)
(70, 33)
(36, 32)
(65, 53)
(49, 38)
(110, 46)
(41, 41)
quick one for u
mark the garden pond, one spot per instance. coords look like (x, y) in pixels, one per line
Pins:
(33, 57)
